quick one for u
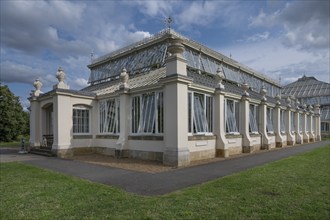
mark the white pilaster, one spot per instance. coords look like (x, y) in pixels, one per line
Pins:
(299, 138)
(34, 123)
(176, 152)
(305, 134)
(277, 126)
(317, 122)
(244, 124)
(265, 140)
(62, 125)
(124, 122)
(219, 125)
(289, 133)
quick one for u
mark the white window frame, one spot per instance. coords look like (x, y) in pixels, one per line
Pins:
(270, 120)
(103, 117)
(308, 128)
(235, 113)
(82, 108)
(205, 121)
(292, 126)
(137, 125)
(282, 121)
(253, 121)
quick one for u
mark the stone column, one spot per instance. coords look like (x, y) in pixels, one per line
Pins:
(244, 120)
(34, 123)
(317, 112)
(305, 134)
(63, 125)
(219, 124)
(265, 140)
(277, 123)
(124, 115)
(289, 133)
(299, 138)
(35, 128)
(310, 118)
(176, 152)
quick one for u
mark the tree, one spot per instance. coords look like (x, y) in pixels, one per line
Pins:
(13, 119)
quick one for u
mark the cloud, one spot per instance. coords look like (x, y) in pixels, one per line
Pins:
(154, 8)
(275, 60)
(305, 24)
(80, 82)
(13, 72)
(31, 26)
(259, 37)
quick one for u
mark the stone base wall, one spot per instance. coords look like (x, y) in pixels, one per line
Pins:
(251, 149)
(229, 152)
(202, 155)
(146, 155)
(268, 146)
(290, 143)
(143, 155)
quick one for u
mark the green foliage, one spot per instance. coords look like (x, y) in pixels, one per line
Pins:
(14, 121)
(293, 188)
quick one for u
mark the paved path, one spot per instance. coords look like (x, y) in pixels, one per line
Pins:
(12, 155)
(162, 183)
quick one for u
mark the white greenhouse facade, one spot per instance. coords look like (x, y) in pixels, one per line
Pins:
(170, 99)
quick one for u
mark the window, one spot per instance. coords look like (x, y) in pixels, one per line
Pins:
(282, 116)
(80, 120)
(253, 115)
(109, 118)
(292, 121)
(148, 113)
(200, 113)
(301, 121)
(325, 127)
(232, 116)
(308, 128)
(312, 123)
(270, 116)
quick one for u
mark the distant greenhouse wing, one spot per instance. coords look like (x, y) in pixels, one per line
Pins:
(136, 62)
(325, 113)
(307, 87)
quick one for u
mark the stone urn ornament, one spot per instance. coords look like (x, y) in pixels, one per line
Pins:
(176, 47)
(219, 76)
(60, 75)
(263, 92)
(245, 87)
(37, 84)
(278, 99)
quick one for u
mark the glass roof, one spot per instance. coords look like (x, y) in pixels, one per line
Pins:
(307, 87)
(150, 54)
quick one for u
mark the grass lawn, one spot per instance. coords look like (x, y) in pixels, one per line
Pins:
(293, 188)
(14, 144)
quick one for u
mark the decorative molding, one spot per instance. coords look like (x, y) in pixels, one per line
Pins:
(146, 138)
(107, 136)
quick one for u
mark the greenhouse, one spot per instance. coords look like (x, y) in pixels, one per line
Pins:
(310, 91)
(170, 99)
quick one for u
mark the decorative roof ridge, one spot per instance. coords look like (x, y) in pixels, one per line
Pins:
(305, 79)
(168, 32)
(144, 41)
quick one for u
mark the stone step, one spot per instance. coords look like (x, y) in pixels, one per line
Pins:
(42, 151)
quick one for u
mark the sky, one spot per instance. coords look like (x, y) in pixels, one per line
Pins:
(281, 39)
